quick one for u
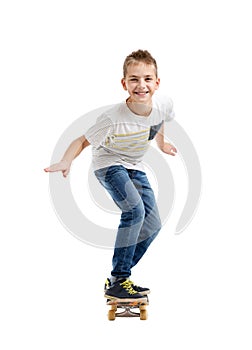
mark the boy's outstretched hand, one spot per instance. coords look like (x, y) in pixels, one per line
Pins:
(169, 149)
(63, 166)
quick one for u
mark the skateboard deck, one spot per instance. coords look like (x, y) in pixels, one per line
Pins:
(127, 309)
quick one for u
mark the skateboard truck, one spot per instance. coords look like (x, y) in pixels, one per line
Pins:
(128, 308)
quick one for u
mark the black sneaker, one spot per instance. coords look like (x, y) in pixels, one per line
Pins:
(122, 290)
(140, 290)
(107, 285)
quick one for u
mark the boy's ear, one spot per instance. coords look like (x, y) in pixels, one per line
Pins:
(157, 83)
(124, 84)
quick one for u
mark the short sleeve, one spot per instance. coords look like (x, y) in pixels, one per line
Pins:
(97, 134)
(164, 105)
(169, 111)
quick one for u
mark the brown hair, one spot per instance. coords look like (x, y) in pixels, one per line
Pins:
(139, 56)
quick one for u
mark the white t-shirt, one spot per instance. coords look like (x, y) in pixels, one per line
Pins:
(120, 137)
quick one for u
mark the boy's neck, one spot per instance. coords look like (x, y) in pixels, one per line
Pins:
(139, 108)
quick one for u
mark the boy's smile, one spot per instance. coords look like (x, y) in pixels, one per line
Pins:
(141, 82)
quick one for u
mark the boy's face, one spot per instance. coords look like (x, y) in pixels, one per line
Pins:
(141, 82)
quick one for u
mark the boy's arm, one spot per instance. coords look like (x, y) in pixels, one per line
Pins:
(162, 145)
(74, 149)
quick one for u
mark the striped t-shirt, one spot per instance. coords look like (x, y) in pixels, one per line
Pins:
(120, 137)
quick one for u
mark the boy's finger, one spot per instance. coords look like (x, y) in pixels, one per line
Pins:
(65, 172)
(51, 168)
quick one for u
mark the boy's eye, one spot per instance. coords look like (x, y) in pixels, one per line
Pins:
(133, 79)
(148, 79)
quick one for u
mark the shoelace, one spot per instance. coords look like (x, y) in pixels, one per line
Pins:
(128, 286)
(132, 283)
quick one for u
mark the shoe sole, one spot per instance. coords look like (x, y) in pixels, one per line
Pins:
(142, 293)
(126, 300)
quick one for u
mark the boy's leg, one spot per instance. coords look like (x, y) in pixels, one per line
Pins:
(152, 223)
(117, 182)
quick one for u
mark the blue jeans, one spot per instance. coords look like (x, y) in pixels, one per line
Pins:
(140, 221)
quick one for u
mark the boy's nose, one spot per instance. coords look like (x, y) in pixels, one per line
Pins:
(141, 83)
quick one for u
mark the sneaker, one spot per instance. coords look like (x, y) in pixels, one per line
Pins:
(140, 290)
(107, 285)
(122, 290)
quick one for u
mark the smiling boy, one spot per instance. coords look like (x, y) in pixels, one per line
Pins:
(120, 138)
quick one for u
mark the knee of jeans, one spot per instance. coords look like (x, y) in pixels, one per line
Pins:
(138, 212)
(155, 224)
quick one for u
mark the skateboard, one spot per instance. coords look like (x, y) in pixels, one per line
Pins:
(127, 307)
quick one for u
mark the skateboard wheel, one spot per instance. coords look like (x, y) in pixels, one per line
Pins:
(143, 314)
(142, 307)
(111, 315)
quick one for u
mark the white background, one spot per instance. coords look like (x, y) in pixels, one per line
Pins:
(61, 59)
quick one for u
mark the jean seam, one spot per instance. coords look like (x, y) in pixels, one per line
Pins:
(121, 266)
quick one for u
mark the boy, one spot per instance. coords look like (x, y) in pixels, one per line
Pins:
(119, 139)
